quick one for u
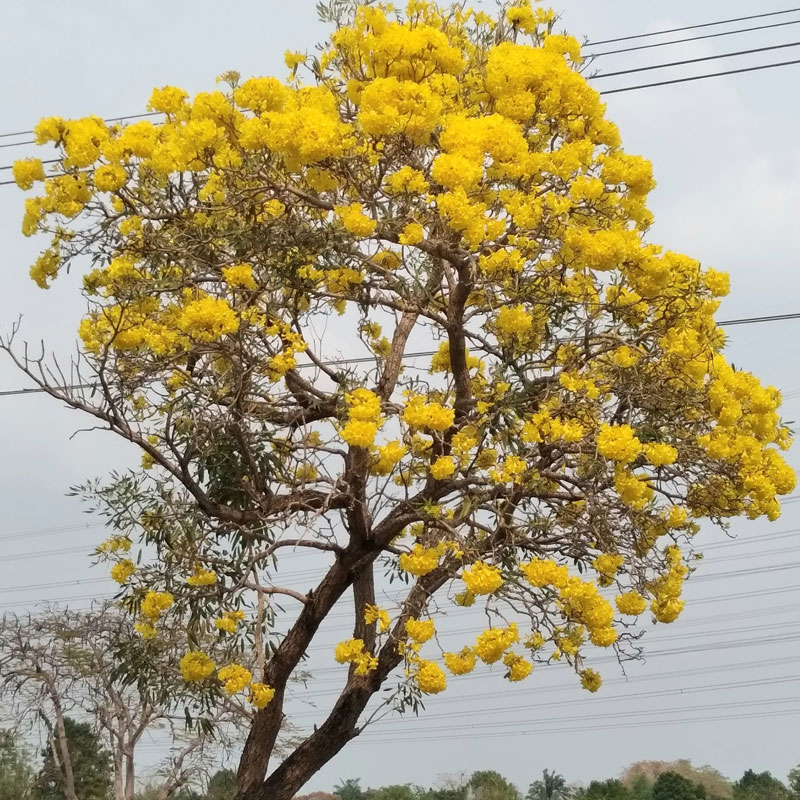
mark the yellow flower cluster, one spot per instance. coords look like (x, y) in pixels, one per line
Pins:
(582, 603)
(631, 604)
(364, 418)
(155, 604)
(461, 663)
(666, 604)
(123, 570)
(542, 572)
(27, 171)
(607, 565)
(432, 416)
(518, 667)
(492, 643)
(261, 694)
(202, 577)
(421, 560)
(420, 630)
(235, 678)
(229, 621)
(482, 578)
(430, 678)
(375, 614)
(355, 220)
(443, 467)
(196, 666)
(619, 443)
(389, 455)
(352, 652)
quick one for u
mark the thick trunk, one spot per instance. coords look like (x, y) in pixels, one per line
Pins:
(119, 781)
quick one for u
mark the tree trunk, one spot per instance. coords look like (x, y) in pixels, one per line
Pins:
(63, 751)
(130, 776)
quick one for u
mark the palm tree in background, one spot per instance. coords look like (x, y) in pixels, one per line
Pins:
(551, 787)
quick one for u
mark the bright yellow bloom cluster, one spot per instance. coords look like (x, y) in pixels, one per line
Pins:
(461, 663)
(482, 578)
(421, 560)
(607, 565)
(373, 614)
(518, 667)
(660, 454)
(240, 275)
(492, 643)
(196, 666)
(229, 621)
(666, 604)
(389, 455)
(27, 172)
(430, 678)
(352, 652)
(202, 577)
(541, 572)
(443, 467)
(235, 678)
(155, 604)
(631, 603)
(123, 570)
(619, 443)
(420, 630)
(355, 220)
(364, 413)
(261, 694)
(431, 416)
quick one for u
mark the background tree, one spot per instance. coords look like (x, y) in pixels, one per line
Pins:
(222, 785)
(91, 773)
(450, 179)
(396, 792)
(672, 786)
(759, 786)
(611, 789)
(61, 661)
(349, 789)
(551, 787)
(713, 781)
(17, 773)
(794, 781)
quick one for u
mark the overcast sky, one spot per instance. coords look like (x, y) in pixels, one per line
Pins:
(727, 161)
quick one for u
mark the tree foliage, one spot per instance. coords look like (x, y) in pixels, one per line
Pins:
(17, 773)
(759, 786)
(551, 787)
(90, 762)
(611, 789)
(439, 177)
(714, 782)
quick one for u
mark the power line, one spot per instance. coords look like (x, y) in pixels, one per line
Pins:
(693, 39)
(692, 27)
(695, 60)
(701, 77)
(422, 354)
(111, 120)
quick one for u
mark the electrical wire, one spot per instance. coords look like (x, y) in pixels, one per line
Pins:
(694, 60)
(692, 39)
(423, 354)
(692, 27)
(701, 77)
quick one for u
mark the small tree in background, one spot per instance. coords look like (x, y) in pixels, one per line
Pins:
(672, 786)
(86, 774)
(759, 786)
(551, 787)
(17, 773)
(444, 178)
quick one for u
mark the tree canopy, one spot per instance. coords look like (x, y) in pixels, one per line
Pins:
(435, 177)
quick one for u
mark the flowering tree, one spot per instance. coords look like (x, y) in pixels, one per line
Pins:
(434, 176)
